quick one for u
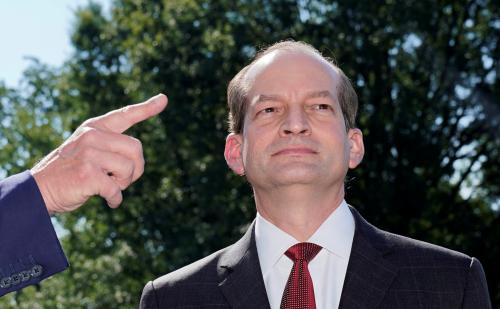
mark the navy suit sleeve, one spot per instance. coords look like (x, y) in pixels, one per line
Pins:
(29, 248)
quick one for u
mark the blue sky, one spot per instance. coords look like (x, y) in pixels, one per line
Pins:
(33, 28)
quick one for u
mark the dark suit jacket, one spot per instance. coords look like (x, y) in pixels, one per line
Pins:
(384, 271)
(29, 248)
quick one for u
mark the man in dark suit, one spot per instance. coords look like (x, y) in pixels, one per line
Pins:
(293, 135)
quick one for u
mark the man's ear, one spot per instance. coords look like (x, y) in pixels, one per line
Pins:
(356, 147)
(232, 153)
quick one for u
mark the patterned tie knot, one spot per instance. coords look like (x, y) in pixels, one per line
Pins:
(303, 251)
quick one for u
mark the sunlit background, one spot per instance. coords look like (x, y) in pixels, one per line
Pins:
(39, 29)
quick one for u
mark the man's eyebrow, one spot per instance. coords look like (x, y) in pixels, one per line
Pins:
(269, 97)
(309, 95)
(319, 94)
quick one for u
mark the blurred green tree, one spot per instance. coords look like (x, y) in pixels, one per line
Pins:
(427, 77)
(30, 123)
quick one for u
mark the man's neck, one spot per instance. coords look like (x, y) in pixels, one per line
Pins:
(297, 210)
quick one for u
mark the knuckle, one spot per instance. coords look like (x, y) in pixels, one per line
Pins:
(88, 135)
(123, 184)
(115, 190)
(110, 190)
(130, 169)
(89, 123)
(137, 145)
(139, 166)
(141, 161)
(85, 171)
(116, 200)
(86, 123)
(126, 176)
(86, 153)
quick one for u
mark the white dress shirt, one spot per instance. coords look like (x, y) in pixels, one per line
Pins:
(328, 268)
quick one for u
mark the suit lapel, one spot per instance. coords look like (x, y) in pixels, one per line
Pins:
(369, 274)
(240, 274)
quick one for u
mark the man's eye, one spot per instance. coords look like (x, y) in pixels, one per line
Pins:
(322, 107)
(268, 111)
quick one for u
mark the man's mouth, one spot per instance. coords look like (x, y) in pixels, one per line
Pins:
(295, 151)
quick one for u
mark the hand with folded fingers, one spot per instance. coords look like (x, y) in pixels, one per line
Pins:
(97, 159)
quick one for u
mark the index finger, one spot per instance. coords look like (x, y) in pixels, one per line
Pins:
(121, 119)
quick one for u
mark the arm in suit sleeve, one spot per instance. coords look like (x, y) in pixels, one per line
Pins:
(148, 298)
(29, 248)
(476, 295)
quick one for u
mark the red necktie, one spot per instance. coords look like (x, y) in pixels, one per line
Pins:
(299, 290)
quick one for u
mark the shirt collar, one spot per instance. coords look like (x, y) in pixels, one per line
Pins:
(271, 243)
(337, 232)
(335, 235)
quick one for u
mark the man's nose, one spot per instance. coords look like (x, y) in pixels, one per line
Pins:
(295, 122)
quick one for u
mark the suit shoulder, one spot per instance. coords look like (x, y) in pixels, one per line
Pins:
(419, 251)
(403, 249)
(201, 271)
(190, 286)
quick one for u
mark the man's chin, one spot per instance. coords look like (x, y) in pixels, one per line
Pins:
(297, 175)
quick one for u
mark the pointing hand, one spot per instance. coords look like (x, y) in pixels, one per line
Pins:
(97, 159)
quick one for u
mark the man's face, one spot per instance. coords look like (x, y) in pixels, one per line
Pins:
(294, 131)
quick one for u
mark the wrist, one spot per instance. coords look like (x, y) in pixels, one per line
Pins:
(42, 187)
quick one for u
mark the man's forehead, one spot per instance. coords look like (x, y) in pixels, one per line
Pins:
(278, 63)
(277, 56)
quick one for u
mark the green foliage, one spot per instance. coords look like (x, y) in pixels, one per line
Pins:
(426, 74)
(30, 122)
